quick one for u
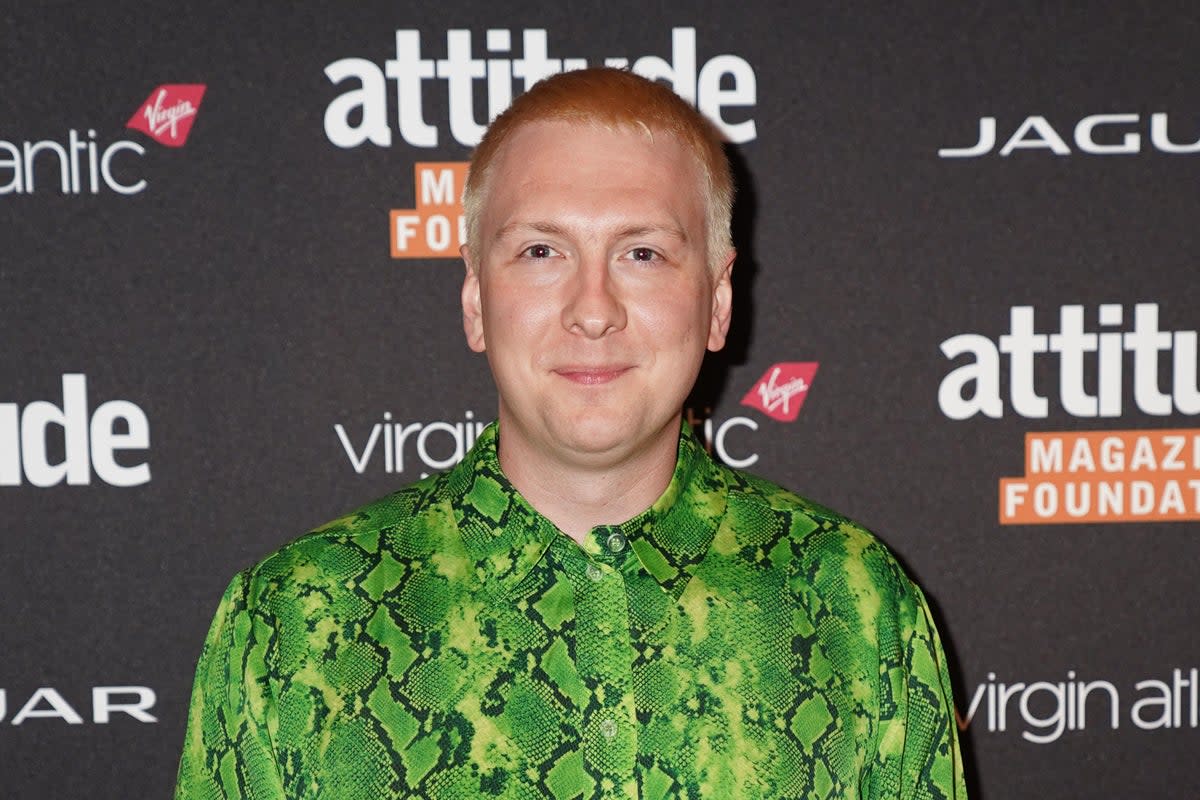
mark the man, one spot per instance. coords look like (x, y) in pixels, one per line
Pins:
(587, 606)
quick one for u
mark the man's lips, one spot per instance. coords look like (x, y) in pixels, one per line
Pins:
(590, 376)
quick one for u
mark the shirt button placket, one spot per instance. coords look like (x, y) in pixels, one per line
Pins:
(605, 656)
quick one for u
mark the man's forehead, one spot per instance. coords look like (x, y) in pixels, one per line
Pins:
(559, 152)
(557, 169)
(533, 139)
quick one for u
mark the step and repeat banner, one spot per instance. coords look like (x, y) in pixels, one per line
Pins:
(967, 305)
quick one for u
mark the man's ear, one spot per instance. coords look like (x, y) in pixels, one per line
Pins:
(722, 304)
(472, 306)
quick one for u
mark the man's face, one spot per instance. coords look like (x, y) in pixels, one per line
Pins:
(592, 293)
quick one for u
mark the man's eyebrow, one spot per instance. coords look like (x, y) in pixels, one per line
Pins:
(673, 231)
(547, 228)
(631, 231)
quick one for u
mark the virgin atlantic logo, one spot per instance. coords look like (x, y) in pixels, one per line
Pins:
(168, 113)
(781, 391)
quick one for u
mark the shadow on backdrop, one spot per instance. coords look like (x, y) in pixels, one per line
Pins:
(714, 374)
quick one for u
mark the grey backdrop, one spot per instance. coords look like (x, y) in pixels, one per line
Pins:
(246, 302)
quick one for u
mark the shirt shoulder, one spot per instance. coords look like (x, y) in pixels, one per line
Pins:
(821, 549)
(410, 524)
(753, 489)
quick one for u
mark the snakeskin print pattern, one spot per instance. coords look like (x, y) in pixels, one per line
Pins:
(732, 641)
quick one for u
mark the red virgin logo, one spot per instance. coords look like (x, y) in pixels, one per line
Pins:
(168, 113)
(781, 391)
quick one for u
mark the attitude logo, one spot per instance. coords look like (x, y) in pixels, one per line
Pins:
(85, 164)
(436, 228)
(724, 87)
(781, 391)
(90, 440)
(168, 113)
(1072, 352)
(1092, 476)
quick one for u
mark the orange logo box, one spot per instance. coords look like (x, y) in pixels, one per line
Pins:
(1105, 476)
(436, 228)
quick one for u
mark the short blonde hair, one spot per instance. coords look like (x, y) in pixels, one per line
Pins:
(612, 98)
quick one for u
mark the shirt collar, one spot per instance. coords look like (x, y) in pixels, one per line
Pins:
(505, 537)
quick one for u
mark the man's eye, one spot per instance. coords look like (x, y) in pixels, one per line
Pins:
(539, 251)
(642, 254)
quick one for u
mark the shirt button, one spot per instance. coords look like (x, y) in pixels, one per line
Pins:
(616, 542)
(608, 729)
(594, 573)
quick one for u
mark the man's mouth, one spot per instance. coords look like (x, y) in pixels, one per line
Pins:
(591, 376)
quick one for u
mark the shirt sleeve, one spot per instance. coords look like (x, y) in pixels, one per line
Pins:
(919, 756)
(227, 750)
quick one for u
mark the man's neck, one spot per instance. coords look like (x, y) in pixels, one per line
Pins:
(576, 496)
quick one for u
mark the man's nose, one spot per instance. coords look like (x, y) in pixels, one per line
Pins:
(593, 307)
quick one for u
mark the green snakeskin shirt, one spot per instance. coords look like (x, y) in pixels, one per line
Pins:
(732, 641)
